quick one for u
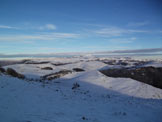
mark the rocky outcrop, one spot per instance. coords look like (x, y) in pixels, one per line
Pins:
(149, 75)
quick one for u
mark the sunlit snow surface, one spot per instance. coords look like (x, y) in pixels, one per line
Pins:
(98, 99)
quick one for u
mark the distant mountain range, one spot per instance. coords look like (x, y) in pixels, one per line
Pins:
(140, 52)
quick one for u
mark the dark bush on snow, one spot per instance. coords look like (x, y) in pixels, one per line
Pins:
(84, 118)
(78, 70)
(75, 85)
(47, 68)
(2, 70)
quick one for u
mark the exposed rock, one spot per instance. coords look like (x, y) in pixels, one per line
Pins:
(13, 73)
(149, 75)
(78, 70)
(47, 68)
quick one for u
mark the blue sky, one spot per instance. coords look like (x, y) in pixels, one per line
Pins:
(49, 26)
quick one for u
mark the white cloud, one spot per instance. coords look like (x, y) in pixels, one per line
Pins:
(110, 31)
(114, 31)
(47, 36)
(122, 40)
(7, 27)
(138, 24)
(133, 38)
(48, 27)
(128, 50)
(149, 50)
(44, 27)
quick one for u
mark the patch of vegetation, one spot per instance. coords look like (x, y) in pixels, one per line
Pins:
(2, 70)
(47, 68)
(13, 73)
(78, 70)
(56, 75)
(75, 86)
(149, 75)
(84, 118)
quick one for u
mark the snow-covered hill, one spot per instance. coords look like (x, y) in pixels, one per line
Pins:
(98, 99)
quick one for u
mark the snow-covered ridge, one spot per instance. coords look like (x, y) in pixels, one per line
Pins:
(34, 68)
(98, 98)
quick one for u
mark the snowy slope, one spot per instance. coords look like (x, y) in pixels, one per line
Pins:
(98, 99)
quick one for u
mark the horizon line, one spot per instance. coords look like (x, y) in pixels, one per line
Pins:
(146, 50)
